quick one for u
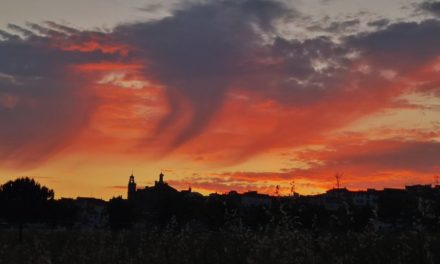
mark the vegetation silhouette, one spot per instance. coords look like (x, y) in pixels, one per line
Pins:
(24, 201)
(159, 224)
(120, 213)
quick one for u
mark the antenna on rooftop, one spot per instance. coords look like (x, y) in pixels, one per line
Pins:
(277, 190)
(436, 180)
(338, 177)
(292, 188)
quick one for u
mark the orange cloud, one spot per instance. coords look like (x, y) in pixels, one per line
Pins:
(169, 90)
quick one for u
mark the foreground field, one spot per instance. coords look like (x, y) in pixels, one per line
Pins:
(275, 244)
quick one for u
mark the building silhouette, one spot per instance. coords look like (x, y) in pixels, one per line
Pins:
(149, 193)
(156, 205)
(131, 187)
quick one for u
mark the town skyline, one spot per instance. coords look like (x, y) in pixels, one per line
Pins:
(272, 191)
(133, 187)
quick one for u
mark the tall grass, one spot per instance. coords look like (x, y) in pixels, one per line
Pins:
(274, 243)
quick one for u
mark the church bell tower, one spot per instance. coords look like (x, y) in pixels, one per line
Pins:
(131, 187)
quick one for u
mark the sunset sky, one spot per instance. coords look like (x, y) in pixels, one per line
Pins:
(219, 94)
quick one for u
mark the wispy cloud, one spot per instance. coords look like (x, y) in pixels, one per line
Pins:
(219, 82)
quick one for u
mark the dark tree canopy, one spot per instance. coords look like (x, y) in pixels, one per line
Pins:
(24, 201)
(120, 213)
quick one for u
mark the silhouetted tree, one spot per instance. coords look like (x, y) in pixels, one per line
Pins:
(24, 201)
(62, 212)
(120, 213)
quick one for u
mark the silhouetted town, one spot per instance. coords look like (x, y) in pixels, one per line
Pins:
(161, 204)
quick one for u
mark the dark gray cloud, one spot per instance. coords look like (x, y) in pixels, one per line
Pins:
(401, 46)
(311, 70)
(432, 7)
(200, 50)
(339, 27)
(380, 23)
(204, 49)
